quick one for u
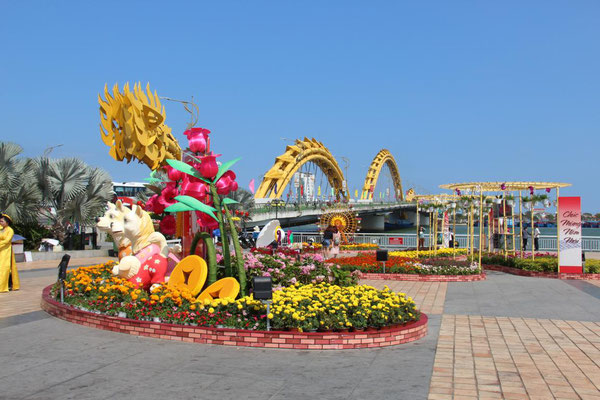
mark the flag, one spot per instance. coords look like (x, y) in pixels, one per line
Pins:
(319, 191)
(356, 194)
(275, 189)
(251, 186)
(332, 192)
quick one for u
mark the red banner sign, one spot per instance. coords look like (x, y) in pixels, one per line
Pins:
(396, 240)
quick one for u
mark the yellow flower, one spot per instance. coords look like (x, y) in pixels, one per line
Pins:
(211, 310)
(270, 316)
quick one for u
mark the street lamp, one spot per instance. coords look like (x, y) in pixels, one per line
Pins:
(49, 150)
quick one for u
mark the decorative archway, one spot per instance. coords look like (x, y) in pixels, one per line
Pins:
(296, 155)
(382, 158)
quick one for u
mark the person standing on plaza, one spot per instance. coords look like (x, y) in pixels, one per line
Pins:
(327, 241)
(9, 277)
(337, 240)
(421, 237)
(536, 238)
(525, 238)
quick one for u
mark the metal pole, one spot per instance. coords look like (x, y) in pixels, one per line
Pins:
(268, 320)
(512, 218)
(418, 231)
(472, 230)
(480, 224)
(557, 230)
(521, 223)
(532, 231)
(504, 224)
(454, 234)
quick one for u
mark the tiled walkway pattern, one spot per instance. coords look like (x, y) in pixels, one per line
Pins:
(429, 296)
(515, 358)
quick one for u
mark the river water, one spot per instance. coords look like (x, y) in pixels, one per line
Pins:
(460, 230)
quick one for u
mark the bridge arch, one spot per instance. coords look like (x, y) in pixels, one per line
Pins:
(296, 155)
(382, 158)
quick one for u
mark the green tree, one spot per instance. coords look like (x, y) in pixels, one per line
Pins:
(19, 196)
(73, 192)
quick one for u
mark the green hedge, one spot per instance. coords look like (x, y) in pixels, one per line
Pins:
(540, 264)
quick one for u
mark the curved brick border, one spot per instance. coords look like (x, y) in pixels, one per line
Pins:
(423, 278)
(536, 274)
(238, 337)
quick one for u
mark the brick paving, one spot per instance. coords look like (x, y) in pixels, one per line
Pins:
(73, 262)
(594, 282)
(429, 296)
(505, 353)
(516, 358)
(27, 298)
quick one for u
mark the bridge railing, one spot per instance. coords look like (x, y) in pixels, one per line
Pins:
(409, 240)
(304, 206)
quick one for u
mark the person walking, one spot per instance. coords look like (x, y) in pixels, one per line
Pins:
(525, 238)
(9, 277)
(536, 238)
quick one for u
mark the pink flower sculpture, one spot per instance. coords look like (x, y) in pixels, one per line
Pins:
(153, 205)
(206, 221)
(547, 190)
(168, 225)
(198, 139)
(194, 188)
(174, 174)
(209, 168)
(167, 196)
(226, 183)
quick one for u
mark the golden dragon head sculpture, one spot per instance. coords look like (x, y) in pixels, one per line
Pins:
(132, 125)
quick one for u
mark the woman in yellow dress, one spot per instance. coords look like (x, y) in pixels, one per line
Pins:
(8, 268)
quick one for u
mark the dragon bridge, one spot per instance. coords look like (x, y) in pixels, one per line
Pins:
(382, 158)
(296, 155)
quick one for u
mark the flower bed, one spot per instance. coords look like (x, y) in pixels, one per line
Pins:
(367, 263)
(424, 278)
(286, 270)
(358, 246)
(441, 253)
(300, 307)
(235, 337)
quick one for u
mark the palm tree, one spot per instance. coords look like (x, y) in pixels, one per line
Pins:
(19, 196)
(73, 193)
(244, 198)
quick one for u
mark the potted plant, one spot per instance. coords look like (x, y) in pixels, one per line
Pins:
(510, 199)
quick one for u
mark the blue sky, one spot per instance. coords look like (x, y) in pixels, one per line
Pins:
(457, 91)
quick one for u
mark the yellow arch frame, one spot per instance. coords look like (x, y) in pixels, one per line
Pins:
(287, 164)
(382, 158)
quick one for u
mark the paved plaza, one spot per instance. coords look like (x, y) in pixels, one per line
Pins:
(507, 337)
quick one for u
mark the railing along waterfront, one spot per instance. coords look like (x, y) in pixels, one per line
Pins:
(409, 240)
